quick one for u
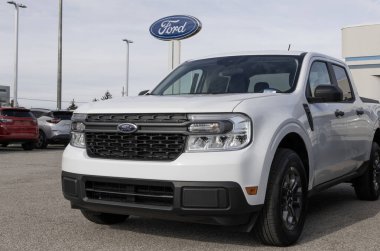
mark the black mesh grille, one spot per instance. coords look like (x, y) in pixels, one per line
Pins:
(137, 118)
(137, 146)
(159, 195)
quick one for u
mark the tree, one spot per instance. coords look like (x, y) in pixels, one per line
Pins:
(107, 95)
(72, 106)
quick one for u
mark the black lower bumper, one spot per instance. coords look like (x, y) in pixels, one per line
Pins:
(221, 203)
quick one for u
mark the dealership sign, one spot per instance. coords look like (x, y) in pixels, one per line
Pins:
(175, 27)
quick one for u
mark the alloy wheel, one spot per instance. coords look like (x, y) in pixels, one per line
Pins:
(292, 198)
(376, 171)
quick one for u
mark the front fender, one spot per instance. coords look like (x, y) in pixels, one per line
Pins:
(284, 129)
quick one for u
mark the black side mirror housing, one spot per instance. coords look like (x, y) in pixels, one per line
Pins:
(326, 94)
(143, 92)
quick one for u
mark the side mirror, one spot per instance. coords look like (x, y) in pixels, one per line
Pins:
(327, 93)
(143, 92)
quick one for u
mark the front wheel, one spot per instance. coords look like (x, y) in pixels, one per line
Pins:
(367, 186)
(104, 218)
(281, 221)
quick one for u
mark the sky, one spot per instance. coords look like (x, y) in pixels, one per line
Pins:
(94, 56)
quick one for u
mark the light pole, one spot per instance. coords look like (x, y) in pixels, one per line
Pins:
(17, 7)
(59, 70)
(127, 69)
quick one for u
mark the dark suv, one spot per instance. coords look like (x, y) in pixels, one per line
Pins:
(18, 125)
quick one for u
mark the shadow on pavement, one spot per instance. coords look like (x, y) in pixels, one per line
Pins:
(328, 212)
(18, 148)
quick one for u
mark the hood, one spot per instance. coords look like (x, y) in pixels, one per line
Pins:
(170, 104)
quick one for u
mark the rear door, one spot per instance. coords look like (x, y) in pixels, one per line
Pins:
(358, 128)
(20, 123)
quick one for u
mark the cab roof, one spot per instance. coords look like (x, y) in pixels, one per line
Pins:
(269, 53)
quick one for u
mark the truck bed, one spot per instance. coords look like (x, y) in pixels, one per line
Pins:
(368, 100)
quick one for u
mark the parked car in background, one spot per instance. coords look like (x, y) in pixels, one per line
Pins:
(18, 125)
(54, 126)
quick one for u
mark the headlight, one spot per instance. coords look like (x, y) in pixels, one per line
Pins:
(77, 130)
(77, 139)
(218, 132)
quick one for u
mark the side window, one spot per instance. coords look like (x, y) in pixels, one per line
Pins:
(319, 75)
(343, 82)
(187, 84)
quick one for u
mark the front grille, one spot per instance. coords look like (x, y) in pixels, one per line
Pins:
(137, 146)
(158, 195)
(137, 118)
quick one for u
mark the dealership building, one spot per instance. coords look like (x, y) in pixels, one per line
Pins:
(4, 95)
(361, 51)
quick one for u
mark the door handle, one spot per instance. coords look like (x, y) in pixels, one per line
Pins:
(339, 113)
(359, 112)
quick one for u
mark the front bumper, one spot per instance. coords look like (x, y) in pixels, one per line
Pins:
(221, 203)
(243, 167)
(18, 138)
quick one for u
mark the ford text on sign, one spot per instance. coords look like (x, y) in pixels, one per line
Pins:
(175, 27)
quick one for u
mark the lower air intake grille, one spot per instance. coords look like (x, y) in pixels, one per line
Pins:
(157, 195)
(137, 146)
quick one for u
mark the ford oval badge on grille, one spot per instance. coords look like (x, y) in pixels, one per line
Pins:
(127, 128)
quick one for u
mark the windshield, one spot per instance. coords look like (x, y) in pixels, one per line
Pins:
(236, 74)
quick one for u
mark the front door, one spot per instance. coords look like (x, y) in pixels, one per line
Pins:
(330, 122)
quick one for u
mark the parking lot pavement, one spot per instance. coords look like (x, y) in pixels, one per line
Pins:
(35, 216)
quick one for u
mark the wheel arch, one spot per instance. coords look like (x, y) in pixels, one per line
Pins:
(294, 141)
(294, 136)
(46, 130)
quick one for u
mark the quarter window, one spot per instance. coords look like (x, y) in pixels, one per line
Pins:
(343, 82)
(186, 84)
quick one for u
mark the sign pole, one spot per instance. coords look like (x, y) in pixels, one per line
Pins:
(174, 54)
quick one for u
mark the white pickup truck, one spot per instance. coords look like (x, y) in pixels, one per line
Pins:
(240, 140)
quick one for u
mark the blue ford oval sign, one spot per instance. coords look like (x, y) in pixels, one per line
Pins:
(127, 128)
(175, 27)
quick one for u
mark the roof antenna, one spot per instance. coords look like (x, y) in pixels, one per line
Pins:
(290, 45)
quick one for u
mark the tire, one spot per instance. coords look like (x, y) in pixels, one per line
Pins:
(275, 225)
(104, 218)
(42, 142)
(367, 186)
(28, 146)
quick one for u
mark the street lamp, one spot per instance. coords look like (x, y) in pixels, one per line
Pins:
(17, 7)
(127, 69)
(59, 70)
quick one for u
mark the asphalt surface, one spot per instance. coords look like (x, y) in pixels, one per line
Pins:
(35, 216)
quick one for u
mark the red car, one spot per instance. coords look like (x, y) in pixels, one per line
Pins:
(18, 125)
